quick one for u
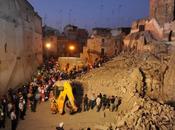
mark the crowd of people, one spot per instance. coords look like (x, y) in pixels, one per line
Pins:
(16, 102)
(101, 102)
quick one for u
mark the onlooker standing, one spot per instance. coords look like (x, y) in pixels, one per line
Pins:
(21, 109)
(1, 117)
(98, 103)
(104, 102)
(42, 93)
(108, 102)
(116, 103)
(85, 103)
(92, 101)
(112, 103)
(4, 109)
(13, 120)
(9, 108)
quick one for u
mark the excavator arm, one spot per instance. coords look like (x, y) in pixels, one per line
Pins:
(60, 101)
(70, 96)
(65, 90)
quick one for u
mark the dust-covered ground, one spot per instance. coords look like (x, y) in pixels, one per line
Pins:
(44, 120)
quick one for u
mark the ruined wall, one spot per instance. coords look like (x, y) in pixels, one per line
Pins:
(150, 25)
(162, 10)
(95, 45)
(72, 61)
(169, 84)
(20, 43)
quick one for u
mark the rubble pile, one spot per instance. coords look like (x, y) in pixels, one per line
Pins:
(147, 115)
(142, 73)
(138, 79)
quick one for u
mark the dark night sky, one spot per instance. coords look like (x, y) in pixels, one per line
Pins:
(90, 13)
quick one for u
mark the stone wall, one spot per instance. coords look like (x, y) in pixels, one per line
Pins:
(169, 78)
(150, 25)
(162, 10)
(20, 43)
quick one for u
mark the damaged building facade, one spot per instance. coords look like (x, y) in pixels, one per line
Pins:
(103, 42)
(60, 42)
(159, 26)
(99, 44)
(20, 43)
(154, 38)
(162, 10)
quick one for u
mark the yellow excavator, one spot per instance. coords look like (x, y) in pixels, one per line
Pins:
(63, 98)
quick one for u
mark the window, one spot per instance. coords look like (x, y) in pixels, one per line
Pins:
(141, 28)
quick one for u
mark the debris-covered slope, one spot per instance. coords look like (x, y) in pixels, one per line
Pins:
(138, 80)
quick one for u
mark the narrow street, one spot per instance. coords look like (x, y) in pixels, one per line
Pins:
(44, 120)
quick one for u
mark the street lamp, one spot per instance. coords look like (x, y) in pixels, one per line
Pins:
(71, 48)
(48, 46)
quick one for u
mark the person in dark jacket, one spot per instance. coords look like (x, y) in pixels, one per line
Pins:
(1, 117)
(104, 102)
(13, 120)
(85, 103)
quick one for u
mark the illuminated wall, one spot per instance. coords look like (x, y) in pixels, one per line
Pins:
(20, 43)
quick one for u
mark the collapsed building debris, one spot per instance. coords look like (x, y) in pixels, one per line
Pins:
(147, 115)
(138, 78)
